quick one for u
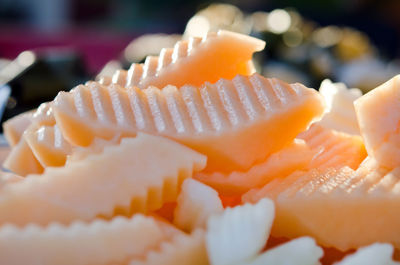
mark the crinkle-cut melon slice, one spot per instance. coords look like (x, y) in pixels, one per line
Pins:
(334, 149)
(196, 203)
(296, 156)
(379, 120)
(340, 113)
(22, 161)
(300, 251)
(340, 208)
(138, 175)
(236, 123)
(100, 242)
(48, 145)
(239, 234)
(14, 128)
(374, 254)
(192, 62)
(272, 189)
(182, 249)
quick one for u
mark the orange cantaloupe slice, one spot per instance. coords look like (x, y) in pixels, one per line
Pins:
(48, 145)
(100, 242)
(194, 61)
(379, 120)
(333, 149)
(236, 123)
(340, 208)
(296, 156)
(14, 128)
(195, 204)
(182, 249)
(122, 179)
(22, 161)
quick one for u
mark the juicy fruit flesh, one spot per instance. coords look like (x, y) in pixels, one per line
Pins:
(15, 127)
(218, 55)
(344, 209)
(378, 115)
(294, 157)
(334, 149)
(219, 120)
(86, 187)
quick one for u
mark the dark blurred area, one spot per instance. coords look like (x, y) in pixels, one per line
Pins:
(52, 45)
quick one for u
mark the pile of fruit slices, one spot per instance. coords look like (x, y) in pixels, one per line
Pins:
(141, 168)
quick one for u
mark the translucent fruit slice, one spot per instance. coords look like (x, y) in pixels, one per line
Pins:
(100, 242)
(239, 234)
(340, 208)
(183, 249)
(341, 115)
(195, 61)
(196, 203)
(236, 123)
(379, 120)
(296, 156)
(300, 251)
(48, 145)
(22, 161)
(333, 148)
(15, 127)
(120, 180)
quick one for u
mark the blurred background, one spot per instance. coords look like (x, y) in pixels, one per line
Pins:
(52, 45)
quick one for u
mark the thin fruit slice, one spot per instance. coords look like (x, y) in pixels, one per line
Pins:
(379, 120)
(48, 145)
(121, 179)
(183, 249)
(14, 128)
(334, 149)
(22, 161)
(195, 61)
(239, 234)
(296, 156)
(340, 208)
(300, 251)
(341, 115)
(196, 203)
(235, 123)
(374, 254)
(100, 242)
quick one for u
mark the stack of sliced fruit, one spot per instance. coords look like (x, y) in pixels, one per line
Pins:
(140, 169)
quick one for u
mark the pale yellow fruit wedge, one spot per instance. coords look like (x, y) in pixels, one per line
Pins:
(378, 114)
(196, 203)
(139, 174)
